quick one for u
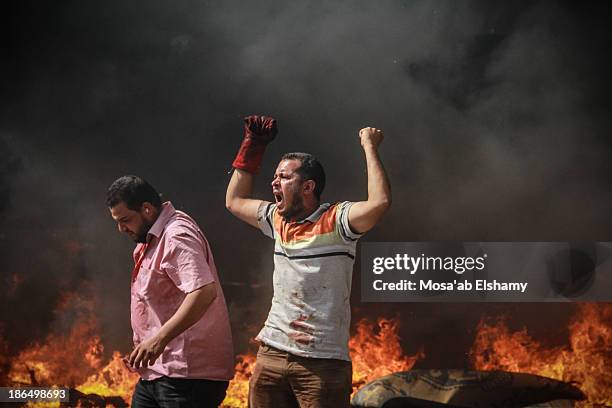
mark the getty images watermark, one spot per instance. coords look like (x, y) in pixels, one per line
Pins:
(486, 271)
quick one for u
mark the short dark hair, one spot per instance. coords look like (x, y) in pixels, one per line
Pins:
(133, 191)
(310, 169)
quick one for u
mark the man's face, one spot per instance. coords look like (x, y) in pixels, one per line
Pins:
(136, 224)
(287, 189)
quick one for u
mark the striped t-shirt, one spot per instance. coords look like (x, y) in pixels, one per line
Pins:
(313, 267)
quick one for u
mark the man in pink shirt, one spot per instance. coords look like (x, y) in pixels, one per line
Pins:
(183, 344)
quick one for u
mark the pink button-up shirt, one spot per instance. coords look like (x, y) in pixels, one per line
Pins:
(177, 261)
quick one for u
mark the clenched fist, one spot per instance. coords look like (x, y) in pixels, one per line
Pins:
(262, 128)
(258, 132)
(370, 136)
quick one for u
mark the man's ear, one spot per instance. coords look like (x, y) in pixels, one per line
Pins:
(147, 209)
(308, 187)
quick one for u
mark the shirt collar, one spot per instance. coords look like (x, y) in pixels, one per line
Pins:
(158, 226)
(316, 214)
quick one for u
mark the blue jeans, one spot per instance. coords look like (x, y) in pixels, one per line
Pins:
(166, 392)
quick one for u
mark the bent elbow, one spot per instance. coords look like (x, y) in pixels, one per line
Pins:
(214, 289)
(383, 205)
(208, 294)
(230, 205)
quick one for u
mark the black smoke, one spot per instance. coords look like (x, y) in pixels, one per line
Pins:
(496, 117)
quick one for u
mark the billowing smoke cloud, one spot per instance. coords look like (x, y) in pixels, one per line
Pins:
(495, 114)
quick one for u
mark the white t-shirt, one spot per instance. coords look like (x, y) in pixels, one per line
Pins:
(313, 267)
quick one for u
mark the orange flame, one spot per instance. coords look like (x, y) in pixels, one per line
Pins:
(586, 360)
(75, 361)
(113, 380)
(238, 390)
(375, 350)
(65, 360)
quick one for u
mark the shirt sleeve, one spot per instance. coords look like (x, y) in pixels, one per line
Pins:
(265, 218)
(186, 262)
(342, 223)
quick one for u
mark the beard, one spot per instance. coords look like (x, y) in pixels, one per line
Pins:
(141, 234)
(296, 207)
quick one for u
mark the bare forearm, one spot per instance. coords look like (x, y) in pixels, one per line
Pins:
(364, 215)
(189, 312)
(238, 197)
(239, 187)
(379, 190)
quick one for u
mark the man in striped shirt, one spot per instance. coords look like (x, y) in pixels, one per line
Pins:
(303, 359)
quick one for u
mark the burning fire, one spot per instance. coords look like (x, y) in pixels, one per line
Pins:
(75, 361)
(48, 363)
(375, 350)
(585, 361)
(238, 390)
(113, 380)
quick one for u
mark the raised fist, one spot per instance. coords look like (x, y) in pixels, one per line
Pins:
(262, 128)
(258, 132)
(370, 136)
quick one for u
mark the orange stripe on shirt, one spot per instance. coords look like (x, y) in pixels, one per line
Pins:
(293, 231)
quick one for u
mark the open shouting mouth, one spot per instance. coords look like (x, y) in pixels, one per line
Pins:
(278, 196)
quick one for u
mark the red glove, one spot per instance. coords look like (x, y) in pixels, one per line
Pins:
(258, 132)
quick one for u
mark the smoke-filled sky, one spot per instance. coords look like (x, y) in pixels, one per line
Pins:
(496, 116)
